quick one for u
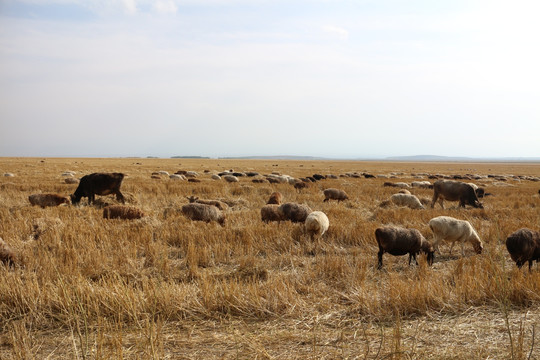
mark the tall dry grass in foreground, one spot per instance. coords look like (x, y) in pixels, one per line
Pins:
(167, 287)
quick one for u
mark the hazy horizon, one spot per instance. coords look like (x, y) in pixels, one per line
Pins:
(226, 78)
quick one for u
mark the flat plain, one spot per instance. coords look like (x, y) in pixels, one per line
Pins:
(166, 287)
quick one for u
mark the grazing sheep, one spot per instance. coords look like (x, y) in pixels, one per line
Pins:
(219, 204)
(230, 178)
(7, 256)
(294, 212)
(316, 224)
(524, 245)
(163, 172)
(270, 212)
(193, 180)
(215, 177)
(335, 194)
(455, 191)
(177, 177)
(9, 174)
(122, 212)
(191, 174)
(275, 198)
(71, 180)
(259, 181)
(402, 185)
(404, 191)
(449, 228)
(399, 241)
(422, 184)
(408, 200)
(301, 185)
(203, 212)
(45, 200)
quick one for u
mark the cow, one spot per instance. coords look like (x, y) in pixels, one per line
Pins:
(455, 191)
(98, 184)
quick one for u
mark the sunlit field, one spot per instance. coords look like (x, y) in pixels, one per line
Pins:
(165, 286)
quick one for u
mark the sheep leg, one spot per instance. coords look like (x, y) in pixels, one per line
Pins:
(441, 203)
(435, 196)
(380, 254)
(412, 256)
(436, 244)
(452, 247)
(119, 196)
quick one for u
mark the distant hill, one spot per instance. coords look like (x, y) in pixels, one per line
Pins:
(275, 157)
(428, 158)
(189, 157)
(420, 158)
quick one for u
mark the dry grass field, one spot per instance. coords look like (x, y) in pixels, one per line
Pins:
(165, 287)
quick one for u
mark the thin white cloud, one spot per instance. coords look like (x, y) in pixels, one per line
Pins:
(336, 31)
(165, 7)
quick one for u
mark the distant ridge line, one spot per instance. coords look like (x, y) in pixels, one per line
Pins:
(411, 158)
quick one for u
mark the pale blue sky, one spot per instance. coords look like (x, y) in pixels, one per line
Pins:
(236, 77)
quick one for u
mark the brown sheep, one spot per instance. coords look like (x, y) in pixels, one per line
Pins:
(270, 212)
(203, 212)
(294, 212)
(455, 191)
(301, 185)
(7, 256)
(399, 241)
(45, 200)
(275, 198)
(335, 194)
(524, 245)
(219, 204)
(122, 212)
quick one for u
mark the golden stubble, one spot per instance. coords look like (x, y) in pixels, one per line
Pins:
(101, 281)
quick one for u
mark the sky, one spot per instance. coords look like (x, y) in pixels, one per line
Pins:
(328, 78)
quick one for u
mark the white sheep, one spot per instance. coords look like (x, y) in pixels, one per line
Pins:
(177, 177)
(408, 200)
(421, 184)
(316, 224)
(451, 229)
(230, 178)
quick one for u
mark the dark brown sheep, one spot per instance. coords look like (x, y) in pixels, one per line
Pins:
(301, 185)
(203, 212)
(524, 245)
(122, 212)
(335, 194)
(45, 200)
(294, 212)
(399, 241)
(270, 212)
(275, 198)
(7, 256)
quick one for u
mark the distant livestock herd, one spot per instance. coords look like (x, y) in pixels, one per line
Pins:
(523, 245)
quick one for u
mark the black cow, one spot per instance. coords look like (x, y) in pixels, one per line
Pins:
(455, 191)
(98, 184)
